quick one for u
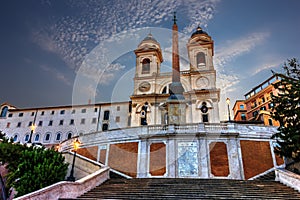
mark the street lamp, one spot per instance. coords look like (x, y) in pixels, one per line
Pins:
(228, 102)
(76, 144)
(32, 128)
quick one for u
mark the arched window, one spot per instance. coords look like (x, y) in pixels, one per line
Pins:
(26, 137)
(58, 136)
(204, 110)
(166, 89)
(16, 138)
(37, 137)
(47, 137)
(69, 135)
(4, 111)
(200, 59)
(146, 66)
(143, 114)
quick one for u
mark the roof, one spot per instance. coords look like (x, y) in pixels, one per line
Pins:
(199, 31)
(149, 38)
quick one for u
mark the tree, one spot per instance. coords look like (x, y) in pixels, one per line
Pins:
(287, 111)
(31, 168)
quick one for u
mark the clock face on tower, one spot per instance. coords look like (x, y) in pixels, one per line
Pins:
(202, 82)
(144, 86)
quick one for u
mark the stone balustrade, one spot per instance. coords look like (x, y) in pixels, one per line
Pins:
(135, 133)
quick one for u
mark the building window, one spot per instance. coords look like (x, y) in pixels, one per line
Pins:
(50, 123)
(43, 112)
(73, 111)
(118, 108)
(37, 137)
(242, 107)
(10, 115)
(40, 123)
(61, 122)
(4, 111)
(15, 138)
(243, 116)
(96, 110)
(83, 110)
(72, 122)
(26, 137)
(69, 135)
(255, 113)
(21, 114)
(200, 59)
(32, 113)
(82, 121)
(94, 120)
(204, 118)
(263, 108)
(270, 122)
(30, 123)
(58, 137)
(106, 115)
(62, 112)
(117, 119)
(271, 105)
(47, 137)
(8, 125)
(104, 127)
(146, 66)
(52, 112)
(19, 124)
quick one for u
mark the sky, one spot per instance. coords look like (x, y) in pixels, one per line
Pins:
(64, 52)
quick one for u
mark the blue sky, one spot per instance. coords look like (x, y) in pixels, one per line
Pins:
(45, 44)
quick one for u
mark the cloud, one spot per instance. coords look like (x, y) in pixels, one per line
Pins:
(230, 51)
(268, 66)
(72, 37)
(58, 75)
(238, 47)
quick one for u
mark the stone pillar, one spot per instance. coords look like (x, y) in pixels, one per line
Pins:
(171, 158)
(203, 158)
(143, 159)
(233, 158)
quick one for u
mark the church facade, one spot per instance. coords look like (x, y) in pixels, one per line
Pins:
(170, 128)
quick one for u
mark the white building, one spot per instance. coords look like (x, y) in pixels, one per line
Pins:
(55, 124)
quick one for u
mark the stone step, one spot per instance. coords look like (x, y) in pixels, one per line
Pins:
(165, 188)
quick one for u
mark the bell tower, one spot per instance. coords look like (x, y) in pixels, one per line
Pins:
(204, 94)
(146, 96)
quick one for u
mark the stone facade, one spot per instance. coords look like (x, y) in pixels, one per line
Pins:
(231, 151)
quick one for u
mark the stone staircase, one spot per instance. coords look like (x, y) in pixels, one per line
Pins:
(165, 188)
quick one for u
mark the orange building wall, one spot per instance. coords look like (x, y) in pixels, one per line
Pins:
(123, 157)
(90, 152)
(157, 159)
(219, 159)
(257, 157)
(102, 156)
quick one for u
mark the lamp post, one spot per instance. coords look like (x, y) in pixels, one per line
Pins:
(32, 128)
(228, 102)
(76, 144)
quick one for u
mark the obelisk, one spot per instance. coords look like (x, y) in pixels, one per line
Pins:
(176, 103)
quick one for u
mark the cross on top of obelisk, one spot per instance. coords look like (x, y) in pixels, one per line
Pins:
(174, 19)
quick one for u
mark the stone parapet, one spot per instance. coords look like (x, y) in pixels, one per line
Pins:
(66, 189)
(288, 178)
